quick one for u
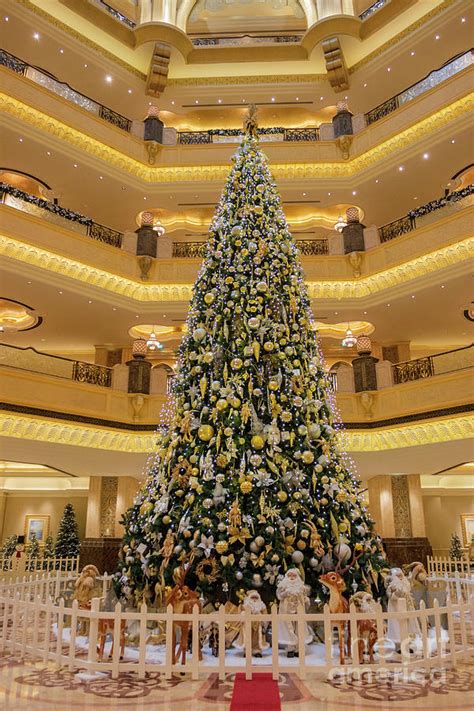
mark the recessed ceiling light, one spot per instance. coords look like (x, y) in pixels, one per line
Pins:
(442, 286)
(36, 35)
(297, 98)
(453, 141)
(329, 194)
(243, 101)
(413, 296)
(101, 177)
(21, 140)
(401, 168)
(273, 98)
(6, 19)
(108, 78)
(412, 54)
(304, 194)
(377, 180)
(61, 51)
(144, 198)
(129, 91)
(365, 313)
(388, 304)
(463, 19)
(90, 301)
(114, 309)
(164, 315)
(60, 292)
(219, 101)
(354, 192)
(336, 313)
(365, 85)
(48, 153)
(172, 103)
(389, 69)
(197, 101)
(321, 98)
(85, 66)
(75, 165)
(426, 156)
(28, 282)
(137, 316)
(415, 198)
(436, 37)
(43, 340)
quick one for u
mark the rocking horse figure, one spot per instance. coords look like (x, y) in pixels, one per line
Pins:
(334, 582)
(182, 599)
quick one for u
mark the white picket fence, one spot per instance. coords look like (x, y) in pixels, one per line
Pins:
(33, 625)
(440, 567)
(33, 565)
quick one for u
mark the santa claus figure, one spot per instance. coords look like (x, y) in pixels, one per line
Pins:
(398, 588)
(292, 594)
(254, 603)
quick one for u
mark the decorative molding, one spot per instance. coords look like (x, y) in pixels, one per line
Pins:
(252, 79)
(159, 67)
(35, 429)
(366, 286)
(335, 64)
(204, 173)
(401, 508)
(108, 505)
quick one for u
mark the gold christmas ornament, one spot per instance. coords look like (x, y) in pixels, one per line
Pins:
(205, 432)
(222, 405)
(273, 385)
(301, 545)
(166, 519)
(246, 487)
(282, 496)
(257, 442)
(209, 298)
(146, 507)
(222, 546)
(307, 457)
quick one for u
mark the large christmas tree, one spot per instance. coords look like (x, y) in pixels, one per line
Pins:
(248, 480)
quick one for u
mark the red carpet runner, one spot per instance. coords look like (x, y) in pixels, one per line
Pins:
(258, 694)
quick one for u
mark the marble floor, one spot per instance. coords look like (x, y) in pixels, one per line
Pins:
(34, 687)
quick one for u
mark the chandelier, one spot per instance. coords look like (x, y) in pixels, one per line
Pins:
(349, 339)
(340, 224)
(152, 343)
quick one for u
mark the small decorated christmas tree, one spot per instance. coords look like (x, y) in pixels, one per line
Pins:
(33, 548)
(249, 478)
(49, 547)
(456, 551)
(67, 541)
(9, 546)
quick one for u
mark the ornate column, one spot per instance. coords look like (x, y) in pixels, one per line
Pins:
(397, 508)
(108, 499)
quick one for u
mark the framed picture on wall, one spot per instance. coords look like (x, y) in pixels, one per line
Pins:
(467, 528)
(39, 525)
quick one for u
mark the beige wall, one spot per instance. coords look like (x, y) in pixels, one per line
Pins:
(443, 517)
(17, 507)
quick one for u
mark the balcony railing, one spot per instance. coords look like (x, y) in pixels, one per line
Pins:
(47, 210)
(245, 40)
(235, 135)
(34, 361)
(197, 250)
(437, 76)
(373, 8)
(48, 81)
(116, 14)
(427, 367)
(407, 223)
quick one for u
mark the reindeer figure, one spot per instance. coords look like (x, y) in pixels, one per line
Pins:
(366, 629)
(334, 582)
(183, 600)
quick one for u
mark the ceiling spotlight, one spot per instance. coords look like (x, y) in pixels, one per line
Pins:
(377, 180)
(219, 101)
(463, 19)
(61, 51)
(389, 69)
(321, 98)
(48, 153)
(85, 66)
(401, 168)
(412, 54)
(108, 79)
(197, 101)
(426, 156)
(273, 98)
(453, 141)
(297, 98)
(354, 192)
(436, 37)
(129, 91)
(365, 85)
(75, 165)
(36, 35)
(21, 140)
